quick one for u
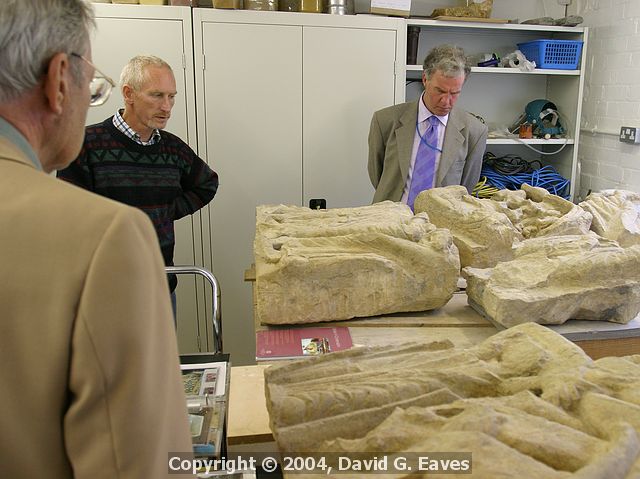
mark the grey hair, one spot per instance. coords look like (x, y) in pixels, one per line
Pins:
(134, 72)
(32, 32)
(447, 59)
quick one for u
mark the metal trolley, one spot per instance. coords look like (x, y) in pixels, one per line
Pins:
(216, 316)
(219, 404)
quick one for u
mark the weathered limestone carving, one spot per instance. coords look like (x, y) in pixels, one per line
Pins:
(477, 10)
(553, 279)
(616, 215)
(535, 212)
(326, 265)
(484, 230)
(483, 234)
(525, 402)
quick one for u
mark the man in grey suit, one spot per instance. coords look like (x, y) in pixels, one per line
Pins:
(397, 131)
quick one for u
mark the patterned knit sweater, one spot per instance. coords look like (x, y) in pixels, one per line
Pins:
(166, 180)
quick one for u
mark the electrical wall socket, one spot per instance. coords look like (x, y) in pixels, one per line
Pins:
(629, 134)
(564, 2)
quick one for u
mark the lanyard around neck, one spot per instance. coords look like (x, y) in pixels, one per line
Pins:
(424, 141)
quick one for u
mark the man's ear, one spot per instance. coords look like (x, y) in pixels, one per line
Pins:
(56, 82)
(127, 94)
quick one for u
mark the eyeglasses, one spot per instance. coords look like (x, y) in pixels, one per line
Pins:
(100, 86)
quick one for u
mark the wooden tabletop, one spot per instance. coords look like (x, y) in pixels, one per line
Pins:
(248, 419)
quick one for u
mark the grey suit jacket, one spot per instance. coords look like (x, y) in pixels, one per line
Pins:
(391, 141)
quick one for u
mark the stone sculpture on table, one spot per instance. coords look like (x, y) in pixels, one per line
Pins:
(485, 230)
(528, 256)
(484, 236)
(616, 215)
(526, 403)
(327, 265)
(535, 212)
(553, 279)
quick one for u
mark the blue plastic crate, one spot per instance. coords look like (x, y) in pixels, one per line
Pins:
(553, 54)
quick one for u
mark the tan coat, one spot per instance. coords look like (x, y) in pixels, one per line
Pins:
(89, 376)
(391, 142)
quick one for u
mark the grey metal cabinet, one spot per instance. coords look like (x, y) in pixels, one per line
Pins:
(285, 103)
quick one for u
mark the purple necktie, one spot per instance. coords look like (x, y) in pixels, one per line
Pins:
(424, 168)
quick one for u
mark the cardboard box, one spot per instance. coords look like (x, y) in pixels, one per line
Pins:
(394, 8)
(228, 4)
(190, 3)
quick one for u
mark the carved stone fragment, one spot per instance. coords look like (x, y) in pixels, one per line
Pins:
(483, 234)
(525, 402)
(553, 279)
(326, 265)
(535, 212)
(477, 10)
(484, 230)
(616, 215)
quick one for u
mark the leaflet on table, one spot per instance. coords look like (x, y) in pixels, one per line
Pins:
(205, 379)
(296, 343)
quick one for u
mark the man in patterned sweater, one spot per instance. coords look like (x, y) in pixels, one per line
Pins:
(130, 159)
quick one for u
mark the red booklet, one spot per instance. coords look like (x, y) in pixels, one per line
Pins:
(297, 343)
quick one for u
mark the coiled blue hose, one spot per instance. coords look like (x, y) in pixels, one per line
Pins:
(546, 177)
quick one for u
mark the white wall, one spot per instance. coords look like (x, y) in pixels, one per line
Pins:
(526, 9)
(611, 95)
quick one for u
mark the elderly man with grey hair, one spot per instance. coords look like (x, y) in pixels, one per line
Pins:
(130, 158)
(90, 383)
(430, 142)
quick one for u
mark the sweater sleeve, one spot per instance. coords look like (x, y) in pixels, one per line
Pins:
(199, 185)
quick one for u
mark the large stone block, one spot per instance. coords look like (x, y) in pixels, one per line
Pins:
(553, 279)
(526, 403)
(616, 215)
(327, 265)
